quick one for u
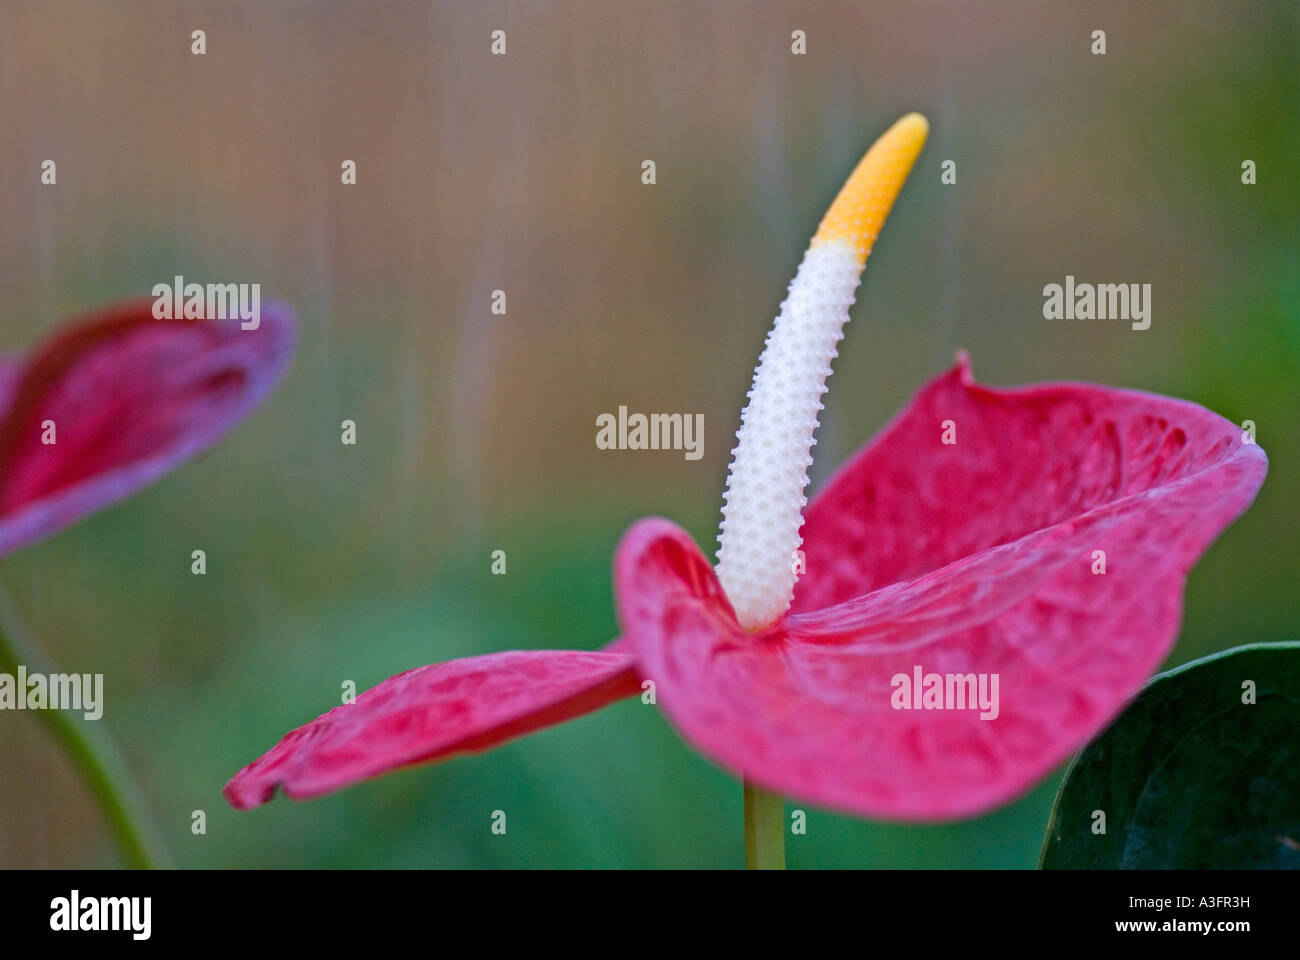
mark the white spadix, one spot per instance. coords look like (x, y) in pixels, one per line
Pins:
(764, 500)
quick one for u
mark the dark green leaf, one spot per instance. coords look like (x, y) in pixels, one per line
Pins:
(1191, 775)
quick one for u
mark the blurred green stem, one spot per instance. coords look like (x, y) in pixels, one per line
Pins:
(94, 754)
(764, 829)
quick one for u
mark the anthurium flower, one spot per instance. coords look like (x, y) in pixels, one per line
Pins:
(118, 398)
(1039, 535)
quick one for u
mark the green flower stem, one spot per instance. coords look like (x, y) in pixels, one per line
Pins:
(96, 756)
(764, 829)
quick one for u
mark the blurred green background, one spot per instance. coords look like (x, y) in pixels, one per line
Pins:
(476, 432)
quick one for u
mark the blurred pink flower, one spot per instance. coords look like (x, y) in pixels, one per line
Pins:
(126, 398)
(974, 557)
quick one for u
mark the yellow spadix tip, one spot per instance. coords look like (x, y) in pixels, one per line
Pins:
(867, 196)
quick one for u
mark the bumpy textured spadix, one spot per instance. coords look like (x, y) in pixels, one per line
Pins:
(764, 499)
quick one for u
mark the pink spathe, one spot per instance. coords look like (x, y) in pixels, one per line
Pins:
(125, 398)
(975, 556)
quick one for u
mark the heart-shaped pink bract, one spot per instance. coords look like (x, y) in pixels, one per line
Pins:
(125, 398)
(979, 556)
(432, 712)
